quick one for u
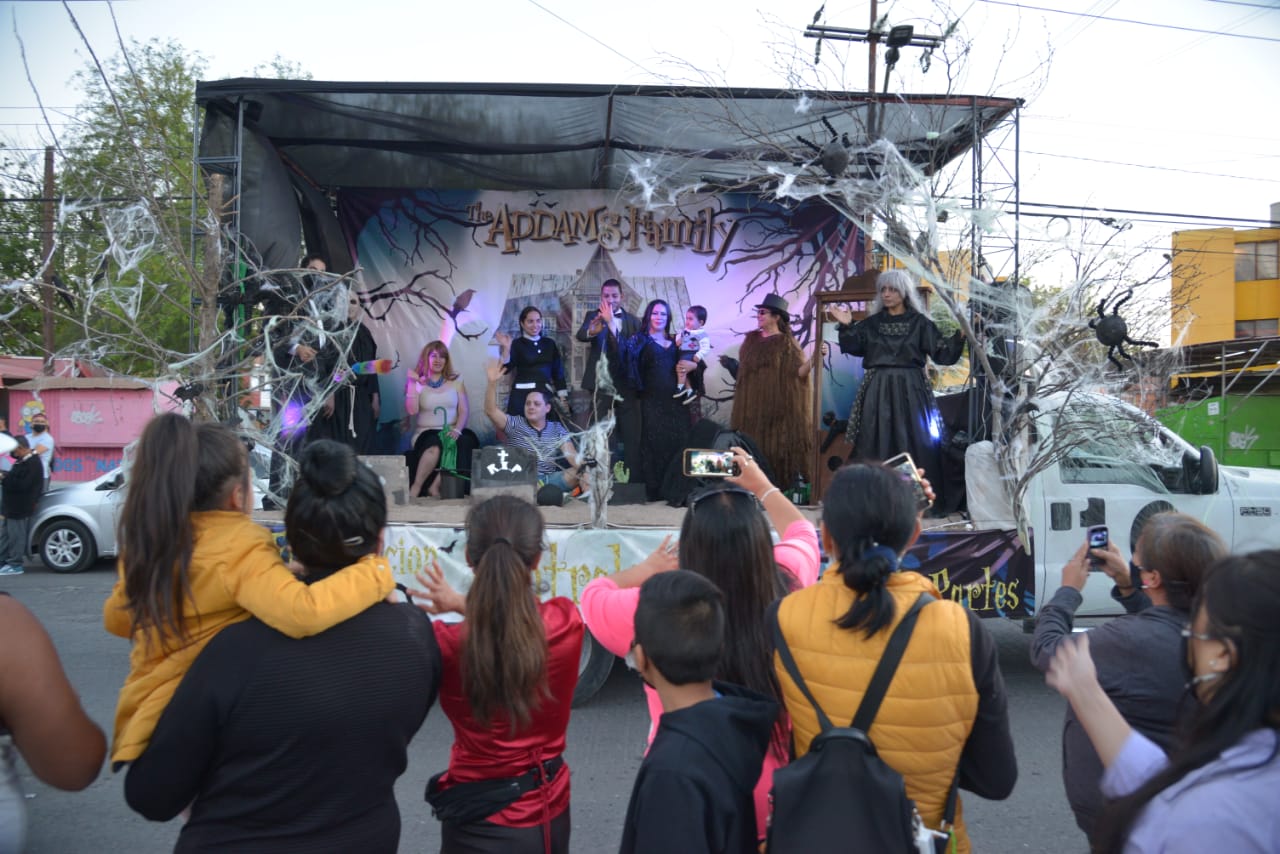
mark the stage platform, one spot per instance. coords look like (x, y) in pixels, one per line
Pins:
(986, 571)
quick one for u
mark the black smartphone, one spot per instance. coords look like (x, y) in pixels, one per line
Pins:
(704, 462)
(1098, 537)
(904, 465)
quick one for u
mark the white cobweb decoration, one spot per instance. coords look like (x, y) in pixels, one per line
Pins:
(1030, 341)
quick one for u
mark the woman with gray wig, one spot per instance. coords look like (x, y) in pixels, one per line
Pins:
(894, 410)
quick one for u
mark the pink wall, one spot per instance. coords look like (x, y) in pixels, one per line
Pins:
(91, 426)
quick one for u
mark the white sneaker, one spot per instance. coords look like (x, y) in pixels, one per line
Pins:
(11, 569)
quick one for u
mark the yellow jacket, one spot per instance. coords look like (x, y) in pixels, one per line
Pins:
(236, 572)
(929, 709)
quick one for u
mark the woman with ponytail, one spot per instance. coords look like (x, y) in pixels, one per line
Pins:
(193, 562)
(944, 717)
(510, 669)
(726, 538)
(1216, 788)
(282, 745)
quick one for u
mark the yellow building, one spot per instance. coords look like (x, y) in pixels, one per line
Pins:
(1225, 284)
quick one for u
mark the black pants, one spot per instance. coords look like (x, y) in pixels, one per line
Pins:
(483, 837)
(627, 413)
(467, 443)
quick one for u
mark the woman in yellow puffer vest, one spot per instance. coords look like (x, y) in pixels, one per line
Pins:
(945, 712)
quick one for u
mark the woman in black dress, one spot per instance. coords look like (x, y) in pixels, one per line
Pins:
(535, 360)
(664, 420)
(895, 410)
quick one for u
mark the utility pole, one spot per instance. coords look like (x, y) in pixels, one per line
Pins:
(46, 263)
(896, 37)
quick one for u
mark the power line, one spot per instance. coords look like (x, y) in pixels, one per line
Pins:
(571, 24)
(1132, 21)
(1157, 168)
(1270, 8)
(1106, 210)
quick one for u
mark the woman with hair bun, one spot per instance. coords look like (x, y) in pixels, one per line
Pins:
(193, 562)
(944, 719)
(279, 744)
(510, 669)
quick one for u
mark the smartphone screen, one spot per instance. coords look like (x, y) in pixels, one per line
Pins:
(1098, 537)
(904, 465)
(703, 462)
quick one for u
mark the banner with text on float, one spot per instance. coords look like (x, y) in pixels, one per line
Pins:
(988, 572)
(985, 571)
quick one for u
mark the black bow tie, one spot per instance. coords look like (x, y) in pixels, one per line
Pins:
(618, 313)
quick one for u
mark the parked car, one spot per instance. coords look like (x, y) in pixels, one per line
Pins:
(75, 525)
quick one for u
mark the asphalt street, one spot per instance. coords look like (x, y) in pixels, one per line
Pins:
(606, 738)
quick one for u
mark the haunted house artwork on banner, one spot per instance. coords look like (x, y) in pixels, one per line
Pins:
(459, 266)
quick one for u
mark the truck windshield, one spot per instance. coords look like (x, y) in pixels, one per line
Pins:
(1104, 440)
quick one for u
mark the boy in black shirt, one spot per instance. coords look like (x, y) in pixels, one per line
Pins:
(694, 789)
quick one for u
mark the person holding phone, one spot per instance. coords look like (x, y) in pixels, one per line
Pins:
(1215, 790)
(944, 720)
(725, 537)
(1137, 656)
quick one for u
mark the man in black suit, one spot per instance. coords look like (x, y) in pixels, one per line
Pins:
(605, 328)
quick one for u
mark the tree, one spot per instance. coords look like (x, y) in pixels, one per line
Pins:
(20, 189)
(123, 181)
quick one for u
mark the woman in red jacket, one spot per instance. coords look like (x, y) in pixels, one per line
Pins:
(510, 669)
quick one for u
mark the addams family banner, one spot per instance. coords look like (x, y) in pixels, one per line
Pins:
(459, 266)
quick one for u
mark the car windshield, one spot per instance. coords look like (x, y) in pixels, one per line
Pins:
(1105, 440)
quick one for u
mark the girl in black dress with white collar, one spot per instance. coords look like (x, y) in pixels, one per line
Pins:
(536, 361)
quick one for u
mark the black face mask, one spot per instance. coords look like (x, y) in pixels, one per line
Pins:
(1135, 578)
(39, 428)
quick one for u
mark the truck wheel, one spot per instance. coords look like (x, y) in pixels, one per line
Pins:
(593, 669)
(67, 546)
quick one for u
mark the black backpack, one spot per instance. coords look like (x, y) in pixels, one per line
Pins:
(841, 796)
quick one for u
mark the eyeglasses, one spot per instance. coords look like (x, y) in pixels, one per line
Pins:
(1188, 632)
(761, 312)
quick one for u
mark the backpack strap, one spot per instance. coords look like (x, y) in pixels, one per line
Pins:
(788, 662)
(888, 665)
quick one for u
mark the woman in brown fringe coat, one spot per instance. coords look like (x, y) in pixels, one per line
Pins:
(771, 401)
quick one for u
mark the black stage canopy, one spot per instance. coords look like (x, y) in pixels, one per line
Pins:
(446, 136)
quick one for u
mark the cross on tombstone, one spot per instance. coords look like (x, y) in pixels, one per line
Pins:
(503, 470)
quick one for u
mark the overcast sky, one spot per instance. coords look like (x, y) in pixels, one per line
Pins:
(1121, 115)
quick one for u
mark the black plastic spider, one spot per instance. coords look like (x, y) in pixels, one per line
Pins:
(834, 156)
(1112, 331)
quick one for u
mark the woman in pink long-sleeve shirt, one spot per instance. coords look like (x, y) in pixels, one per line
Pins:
(726, 538)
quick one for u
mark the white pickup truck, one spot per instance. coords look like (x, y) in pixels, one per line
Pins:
(1104, 462)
